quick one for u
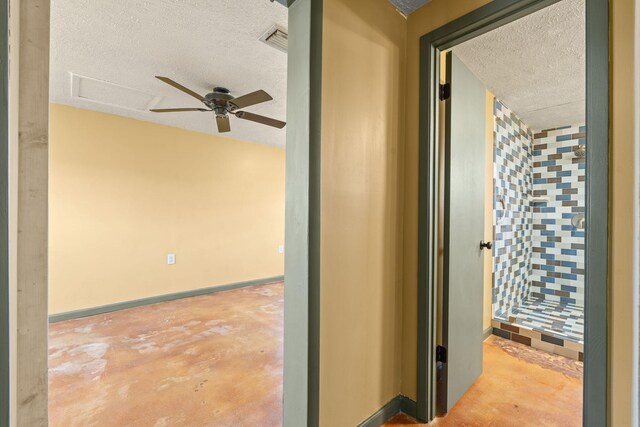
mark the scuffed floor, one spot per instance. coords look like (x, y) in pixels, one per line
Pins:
(520, 387)
(212, 360)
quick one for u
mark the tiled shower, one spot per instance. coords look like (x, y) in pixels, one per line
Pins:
(538, 218)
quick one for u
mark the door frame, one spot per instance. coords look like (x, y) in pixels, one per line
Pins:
(475, 23)
(302, 214)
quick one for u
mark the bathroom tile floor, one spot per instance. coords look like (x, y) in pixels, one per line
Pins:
(564, 320)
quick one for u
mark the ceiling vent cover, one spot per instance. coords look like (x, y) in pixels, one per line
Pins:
(276, 37)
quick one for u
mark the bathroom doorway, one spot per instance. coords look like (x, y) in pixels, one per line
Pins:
(516, 99)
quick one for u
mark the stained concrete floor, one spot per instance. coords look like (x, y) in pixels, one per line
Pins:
(520, 387)
(216, 360)
(212, 360)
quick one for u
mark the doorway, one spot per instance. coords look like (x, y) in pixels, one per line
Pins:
(29, 136)
(430, 355)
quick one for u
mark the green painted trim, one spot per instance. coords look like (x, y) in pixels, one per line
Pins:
(301, 403)
(397, 405)
(480, 21)
(595, 412)
(108, 308)
(4, 216)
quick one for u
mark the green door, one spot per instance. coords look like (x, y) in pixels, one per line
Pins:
(463, 231)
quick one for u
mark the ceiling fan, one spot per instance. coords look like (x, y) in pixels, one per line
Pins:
(222, 103)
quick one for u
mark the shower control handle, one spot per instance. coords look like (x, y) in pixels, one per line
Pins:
(485, 245)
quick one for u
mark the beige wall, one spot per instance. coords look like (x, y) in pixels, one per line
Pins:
(438, 13)
(362, 134)
(124, 193)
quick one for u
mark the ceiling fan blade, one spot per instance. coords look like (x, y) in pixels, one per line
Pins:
(249, 99)
(260, 119)
(176, 110)
(223, 124)
(178, 86)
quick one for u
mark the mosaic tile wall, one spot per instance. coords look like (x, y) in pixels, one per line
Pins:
(557, 262)
(512, 216)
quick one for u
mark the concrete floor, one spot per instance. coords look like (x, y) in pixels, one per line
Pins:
(216, 360)
(213, 360)
(520, 387)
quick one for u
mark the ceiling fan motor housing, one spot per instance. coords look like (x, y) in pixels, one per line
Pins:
(218, 101)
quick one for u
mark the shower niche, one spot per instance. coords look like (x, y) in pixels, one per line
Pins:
(539, 234)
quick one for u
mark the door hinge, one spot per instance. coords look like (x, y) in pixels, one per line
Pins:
(445, 91)
(441, 354)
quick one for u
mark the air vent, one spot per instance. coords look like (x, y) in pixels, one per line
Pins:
(107, 93)
(276, 37)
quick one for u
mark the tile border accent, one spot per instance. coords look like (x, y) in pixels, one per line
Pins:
(399, 404)
(92, 311)
(540, 340)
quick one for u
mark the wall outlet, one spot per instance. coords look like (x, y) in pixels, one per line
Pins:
(171, 259)
(281, 249)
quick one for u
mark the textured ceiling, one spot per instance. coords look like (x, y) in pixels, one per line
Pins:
(535, 65)
(408, 6)
(198, 43)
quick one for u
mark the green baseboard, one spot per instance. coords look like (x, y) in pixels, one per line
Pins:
(487, 333)
(92, 311)
(397, 405)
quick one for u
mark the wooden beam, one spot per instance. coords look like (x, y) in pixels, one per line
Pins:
(33, 153)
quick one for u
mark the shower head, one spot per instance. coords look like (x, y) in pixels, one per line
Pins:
(580, 151)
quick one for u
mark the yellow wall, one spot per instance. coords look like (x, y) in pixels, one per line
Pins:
(438, 13)
(125, 193)
(621, 209)
(362, 134)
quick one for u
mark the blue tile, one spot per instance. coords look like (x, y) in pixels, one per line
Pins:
(563, 173)
(548, 244)
(548, 279)
(569, 252)
(577, 233)
(563, 138)
(548, 221)
(563, 197)
(569, 276)
(548, 256)
(563, 185)
(564, 150)
(568, 288)
(582, 165)
(566, 300)
(548, 232)
(570, 264)
(548, 163)
(540, 180)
